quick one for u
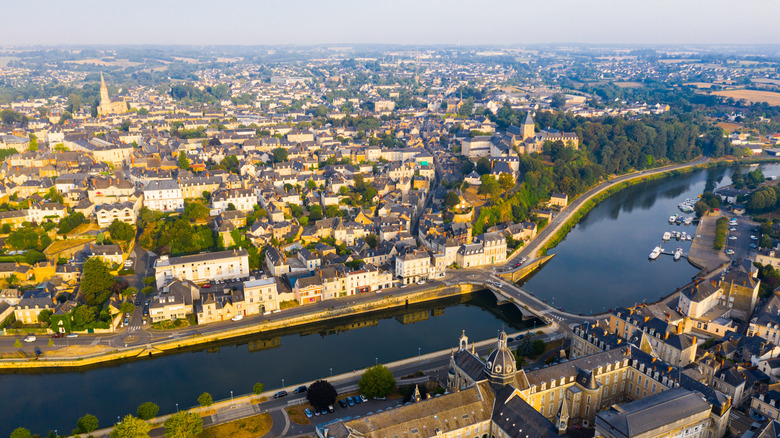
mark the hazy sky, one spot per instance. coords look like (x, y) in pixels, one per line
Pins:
(251, 22)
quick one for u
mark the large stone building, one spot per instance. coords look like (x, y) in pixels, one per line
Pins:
(163, 195)
(107, 106)
(201, 268)
(492, 398)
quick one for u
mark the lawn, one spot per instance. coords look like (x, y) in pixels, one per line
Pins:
(769, 97)
(297, 415)
(250, 427)
(61, 245)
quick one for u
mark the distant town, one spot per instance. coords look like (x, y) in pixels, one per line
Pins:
(179, 192)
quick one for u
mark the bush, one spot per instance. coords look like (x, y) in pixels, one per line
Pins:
(205, 399)
(147, 411)
(258, 388)
(87, 423)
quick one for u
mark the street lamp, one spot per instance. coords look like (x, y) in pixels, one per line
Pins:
(331, 373)
(177, 407)
(231, 397)
(376, 361)
(282, 383)
(418, 353)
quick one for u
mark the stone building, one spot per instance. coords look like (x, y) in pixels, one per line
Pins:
(107, 106)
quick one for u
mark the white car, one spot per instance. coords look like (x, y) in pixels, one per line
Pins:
(732, 229)
(754, 237)
(733, 238)
(237, 318)
(30, 338)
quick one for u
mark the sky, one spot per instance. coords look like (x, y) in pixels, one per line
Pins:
(409, 22)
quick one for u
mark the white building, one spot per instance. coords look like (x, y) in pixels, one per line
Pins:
(242, 199)
(260, 296)
(163, 195)
(201, 268)
(413, 267)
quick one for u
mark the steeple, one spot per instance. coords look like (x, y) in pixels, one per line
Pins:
(500, 365)
(529, 127)
(104, 99)
(562, 417)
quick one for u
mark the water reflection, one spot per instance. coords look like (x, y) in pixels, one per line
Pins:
(602, 263)
(295, 355)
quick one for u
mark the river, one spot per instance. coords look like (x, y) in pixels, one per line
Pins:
(55, 400)
(603, 262)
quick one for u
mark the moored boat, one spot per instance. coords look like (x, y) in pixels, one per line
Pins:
(656, 252)
(678, 253)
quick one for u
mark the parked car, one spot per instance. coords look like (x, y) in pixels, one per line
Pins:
(363, 398)
(308, 413)
(299, 390)
(30, 338)
(753, 238)
(732, 237)
(357, 399)
(324, 411)
(330, 409)
(753, 245)
(343, 403)
(280, 394)
(238, 317)
(729, 251)
(207, 285)
(350, 401)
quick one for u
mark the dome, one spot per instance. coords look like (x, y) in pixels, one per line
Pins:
(501, 361)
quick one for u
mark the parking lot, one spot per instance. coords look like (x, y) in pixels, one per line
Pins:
(741, 239)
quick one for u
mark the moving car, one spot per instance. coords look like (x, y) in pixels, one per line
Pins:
(30, 338)
(57, 335)
(280, 394)
(238, 317)
(299, 390)
(72, 335)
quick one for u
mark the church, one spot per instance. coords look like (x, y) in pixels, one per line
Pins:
(492, 398)
(107, 106)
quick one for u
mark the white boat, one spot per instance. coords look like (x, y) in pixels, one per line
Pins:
(690, 237)
(656, 252)
(685, 208)
(683, 236)
(678, 253)
(688, 220)
(672, 218)
(667, 236)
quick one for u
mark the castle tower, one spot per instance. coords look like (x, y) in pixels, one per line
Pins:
(529, 127)
(500, 365)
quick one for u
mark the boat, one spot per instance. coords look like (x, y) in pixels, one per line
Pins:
(690, 237)
(672, 218)
(667, 236)
(679, 220)
(683, 236)
(656, 252)
(688, 220)
(678, 235)
(678, 253)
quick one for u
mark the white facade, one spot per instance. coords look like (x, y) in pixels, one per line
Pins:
(201, 268)
(260, 296)
(163, 195)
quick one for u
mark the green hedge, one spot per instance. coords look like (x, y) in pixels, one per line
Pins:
(721, 227)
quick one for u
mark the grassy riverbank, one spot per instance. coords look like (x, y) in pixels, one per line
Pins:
(590, 204)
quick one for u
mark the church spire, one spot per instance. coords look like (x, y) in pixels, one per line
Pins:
(105, 101)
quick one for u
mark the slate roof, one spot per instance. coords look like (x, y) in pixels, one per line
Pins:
(652, 412)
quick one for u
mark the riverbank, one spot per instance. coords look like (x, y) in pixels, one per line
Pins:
(386, 302)
(582, 206)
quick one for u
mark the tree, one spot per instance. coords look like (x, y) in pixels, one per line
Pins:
(321, 394)
(506, 181)
(121, 231)
(280, 155)
(87, 424)
(45, 315)
(451, 199)
(489, 186)
(96, 282)
(184, 162)
(258, 388)
(483, 166)
(21, 432)
(183, 425)
(131, 427)
(371, 239)
(377, 381)
(147, 411)
(17, 343)
(558, 100)
(205, 399)
(195, 211)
